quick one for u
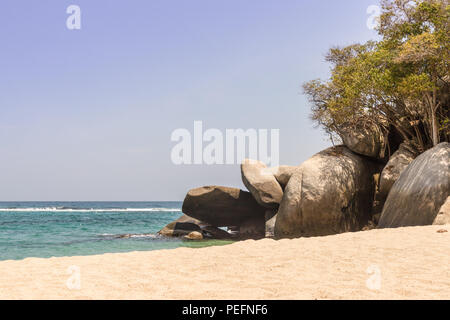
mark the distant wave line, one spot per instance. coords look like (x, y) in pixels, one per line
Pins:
(130, 235)
(57, 209)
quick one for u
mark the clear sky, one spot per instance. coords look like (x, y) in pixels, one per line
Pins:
(88, 114)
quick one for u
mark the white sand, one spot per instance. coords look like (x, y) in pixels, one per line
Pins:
(405, 263)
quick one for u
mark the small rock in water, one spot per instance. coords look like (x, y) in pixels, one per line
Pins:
(194, 235)
(442, 231)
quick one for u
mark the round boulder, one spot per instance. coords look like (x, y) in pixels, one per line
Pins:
(395, 166)
(418, 194)
(330, 193)
(261, 183)
(364, 138)
(221, 206)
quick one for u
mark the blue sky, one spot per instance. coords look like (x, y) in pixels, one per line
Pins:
(87, 114)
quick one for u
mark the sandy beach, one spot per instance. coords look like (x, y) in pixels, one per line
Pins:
(404, 263)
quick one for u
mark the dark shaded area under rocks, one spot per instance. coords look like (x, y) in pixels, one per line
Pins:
(352, 187)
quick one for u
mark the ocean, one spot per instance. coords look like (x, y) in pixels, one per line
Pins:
(54, 229)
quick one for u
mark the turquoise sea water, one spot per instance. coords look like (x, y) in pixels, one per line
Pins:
(52, 229)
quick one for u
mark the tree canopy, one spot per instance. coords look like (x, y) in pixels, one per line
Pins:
(399, 83)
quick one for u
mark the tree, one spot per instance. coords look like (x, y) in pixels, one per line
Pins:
(399, 83)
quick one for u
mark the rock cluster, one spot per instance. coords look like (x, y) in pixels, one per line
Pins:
(335, 191)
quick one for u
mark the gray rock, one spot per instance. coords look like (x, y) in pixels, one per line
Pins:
(261, 183)
(221, 206)
(210, 232)
(443, 216)
(395, 166)
(252, 229)
(330, 193)
(184, 225)
(270, 218)
(418, 194)
(283, 174)
(365, 139)
(181, 227)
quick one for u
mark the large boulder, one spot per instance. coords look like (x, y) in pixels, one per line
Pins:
(420, 191)
(364, 138)
(330, 193)
(443, 216)
(261, 183)
(395, 166)
(221, 206)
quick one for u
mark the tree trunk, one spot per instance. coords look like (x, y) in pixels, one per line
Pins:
(434, 127)
(431, 100)
(434, 123)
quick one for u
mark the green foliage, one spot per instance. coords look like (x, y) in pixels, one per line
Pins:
(401, 81)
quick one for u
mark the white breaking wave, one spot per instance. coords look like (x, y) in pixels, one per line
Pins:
(57, 209)
(137, 235)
